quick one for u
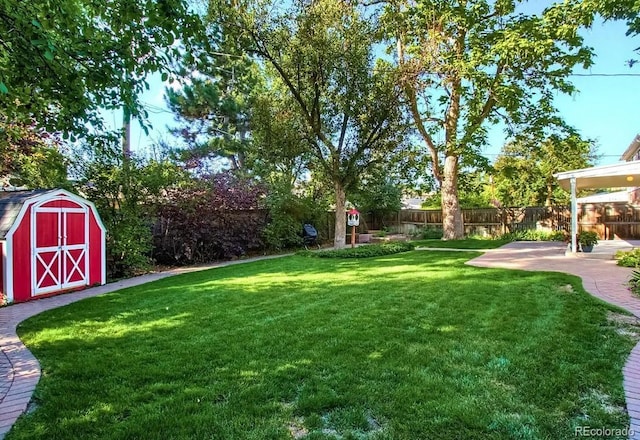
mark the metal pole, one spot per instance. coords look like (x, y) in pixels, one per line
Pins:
(574, 217)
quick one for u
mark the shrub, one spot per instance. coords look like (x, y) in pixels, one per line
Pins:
(628, 258)
(427, 233)
(634, 282)
(128, 244)
(287, 213)
(282, 232)
(534, 235)
(124, 193)
(215, 219)
(372, 250)
(588, 238)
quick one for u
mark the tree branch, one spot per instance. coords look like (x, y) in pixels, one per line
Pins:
(343, 131)
(312, 119)
(264, 51)
(488, 105)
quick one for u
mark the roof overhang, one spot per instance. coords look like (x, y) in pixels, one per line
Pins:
(619, 175)
(632, 149)
(612, 197)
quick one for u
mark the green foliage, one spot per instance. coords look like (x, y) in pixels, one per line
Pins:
(426, 233)
(128, 244)
(282, 232)
(467, 197)
(634, 282)
(280, 153)
(321, 56)
(31, 157)
(534, 235)
(378, 196)
(43, 167)
(63, 60)
(523, 173)
(466, 66)
(214, 109)
(125, 193)
(628, 258)
(587, 238)
(288, 211)
(366, 251)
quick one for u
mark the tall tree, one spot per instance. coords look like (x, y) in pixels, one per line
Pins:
(280, 153)
(63, 60)
(523, 173)
(214, 105)
(469, 64)
(322, 52)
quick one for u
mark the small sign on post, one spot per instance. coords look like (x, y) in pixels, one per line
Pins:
(353, 220)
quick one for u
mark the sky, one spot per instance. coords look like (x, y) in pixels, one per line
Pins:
(605, 109)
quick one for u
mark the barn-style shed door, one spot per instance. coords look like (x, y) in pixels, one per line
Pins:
(60, 246)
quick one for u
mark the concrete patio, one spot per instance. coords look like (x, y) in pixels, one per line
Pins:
(606, 249)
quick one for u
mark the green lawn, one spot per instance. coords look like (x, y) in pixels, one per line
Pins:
(467, 243)
(409, 346)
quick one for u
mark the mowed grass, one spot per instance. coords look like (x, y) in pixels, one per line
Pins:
(410, 346)
(467, 243)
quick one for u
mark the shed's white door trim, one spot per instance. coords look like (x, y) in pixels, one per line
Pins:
(7, 283)
(63, 264)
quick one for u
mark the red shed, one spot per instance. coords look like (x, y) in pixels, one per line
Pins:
(51, 241)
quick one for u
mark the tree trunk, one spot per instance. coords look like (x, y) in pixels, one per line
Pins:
(341, 225)
(548, 200)
(452, 224)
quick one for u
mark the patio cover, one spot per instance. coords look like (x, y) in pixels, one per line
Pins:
(619, 175)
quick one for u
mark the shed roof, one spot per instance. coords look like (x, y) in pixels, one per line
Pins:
(10, 204)
(619, 175)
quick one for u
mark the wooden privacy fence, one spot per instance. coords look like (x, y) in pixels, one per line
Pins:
(490, 221)
(610, 220)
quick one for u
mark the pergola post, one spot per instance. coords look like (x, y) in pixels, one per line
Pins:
(623, 174)
(574, 216)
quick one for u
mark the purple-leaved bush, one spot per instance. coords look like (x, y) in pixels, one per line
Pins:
(219, 218)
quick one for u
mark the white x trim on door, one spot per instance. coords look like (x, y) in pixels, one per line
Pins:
(64, 270)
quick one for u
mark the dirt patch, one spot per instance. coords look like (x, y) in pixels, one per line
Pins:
(567, 288)
(297, 429)
(619, 318)
(625, 325)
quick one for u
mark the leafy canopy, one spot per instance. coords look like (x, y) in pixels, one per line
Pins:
(523, 173)
(63, 60)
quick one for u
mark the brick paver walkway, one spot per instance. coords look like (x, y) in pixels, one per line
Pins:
(601, 278)
(20, 370)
